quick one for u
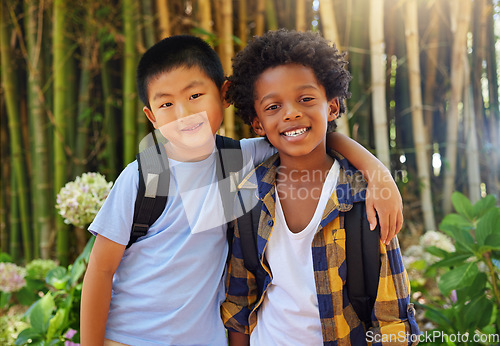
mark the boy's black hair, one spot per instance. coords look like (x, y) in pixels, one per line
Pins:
(173, 52)
(282, 47)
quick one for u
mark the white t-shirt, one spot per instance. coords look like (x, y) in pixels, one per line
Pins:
(289, 313)
(168, 287)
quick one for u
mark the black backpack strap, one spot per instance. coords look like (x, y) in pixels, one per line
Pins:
(154, 180)
(228, 166)
(248, 226)
(363, 261)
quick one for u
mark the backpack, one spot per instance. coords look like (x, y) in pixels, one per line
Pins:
(362, 255)
(154, 181)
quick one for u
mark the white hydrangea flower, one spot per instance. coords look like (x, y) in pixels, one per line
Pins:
(11, 277)
(80, 200)
(437, 239)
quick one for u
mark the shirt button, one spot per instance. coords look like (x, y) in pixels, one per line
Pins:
(270, 223)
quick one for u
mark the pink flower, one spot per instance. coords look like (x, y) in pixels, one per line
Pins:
(69, 334)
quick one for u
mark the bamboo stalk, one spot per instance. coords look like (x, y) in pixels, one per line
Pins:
(494, 110)
(359, 102)
(61, 91)
(259, 17)
(242, 23)
(148, 20)
(4, 178)
(14, 221)
(472, 152)
(460, 25)
(129, 91)
(163, 18)
(109, 118)
(272, 20)
(431, 70)
(377, 55)
(300, 16)
(330, 32)
(205, 13)
(227, 54)
(419, 137)
(38, 120)
(16, 148)
(84, 108)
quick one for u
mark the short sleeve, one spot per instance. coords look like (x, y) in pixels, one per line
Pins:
(256, 150)
(114, 219)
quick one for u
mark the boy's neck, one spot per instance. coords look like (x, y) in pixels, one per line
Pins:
(317, 161)
(189, 154)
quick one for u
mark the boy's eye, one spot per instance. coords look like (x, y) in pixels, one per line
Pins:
(195, 96)
(166, 104)
(307, 99)
(271, 108)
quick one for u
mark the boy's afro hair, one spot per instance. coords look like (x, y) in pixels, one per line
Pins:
(284, 47)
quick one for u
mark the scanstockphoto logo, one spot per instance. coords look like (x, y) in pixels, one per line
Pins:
(436, 337)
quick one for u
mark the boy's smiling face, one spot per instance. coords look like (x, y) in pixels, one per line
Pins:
(186, 106)
(292, 109)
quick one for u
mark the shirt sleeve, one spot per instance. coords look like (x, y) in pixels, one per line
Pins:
(393, 315)
(256, 150)
(241, 291)
(114, 219)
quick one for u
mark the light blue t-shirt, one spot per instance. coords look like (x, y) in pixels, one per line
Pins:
(169, 285)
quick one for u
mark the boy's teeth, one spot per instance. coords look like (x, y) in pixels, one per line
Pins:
(294, 133)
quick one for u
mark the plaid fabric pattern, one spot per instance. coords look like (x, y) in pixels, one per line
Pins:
(392, 316)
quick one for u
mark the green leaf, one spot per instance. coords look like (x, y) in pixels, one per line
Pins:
(26, 335)
(25, 296)
(41, 312)
(57, 277)
(77, 270)
(438, 252)
(55, 324)
(477, 313)
(463, 238)
(5, 257)
(456, 220)
(4, 298)
(477, 288)
(484, 205)
(488, 225)
(437, 316)
(457, 278)
(492, 244)
(452, 261)
(462, 205)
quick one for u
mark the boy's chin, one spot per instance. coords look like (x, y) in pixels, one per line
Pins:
(191, 148)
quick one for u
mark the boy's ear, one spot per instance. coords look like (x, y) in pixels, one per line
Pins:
(150, 116)
(334, 108)
(223, 91)
(257, 127)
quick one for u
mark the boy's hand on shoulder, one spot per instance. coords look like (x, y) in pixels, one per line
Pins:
(383, 199)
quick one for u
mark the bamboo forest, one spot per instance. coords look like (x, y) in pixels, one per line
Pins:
(424, 100)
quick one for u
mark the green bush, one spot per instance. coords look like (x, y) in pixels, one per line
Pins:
(56, 314)
(469, 285)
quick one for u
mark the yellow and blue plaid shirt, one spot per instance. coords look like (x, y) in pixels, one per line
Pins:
(393, 317)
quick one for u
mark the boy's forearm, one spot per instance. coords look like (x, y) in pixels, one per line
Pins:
(238, 339)
(356, 154)
(96, 297)
(96, 290)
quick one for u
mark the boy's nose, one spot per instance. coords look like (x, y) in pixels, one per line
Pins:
(181, 111)
(292, 113)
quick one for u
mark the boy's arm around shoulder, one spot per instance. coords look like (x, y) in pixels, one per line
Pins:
(96, 291)
(382, 195)
(241, 291)
(394, 316)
